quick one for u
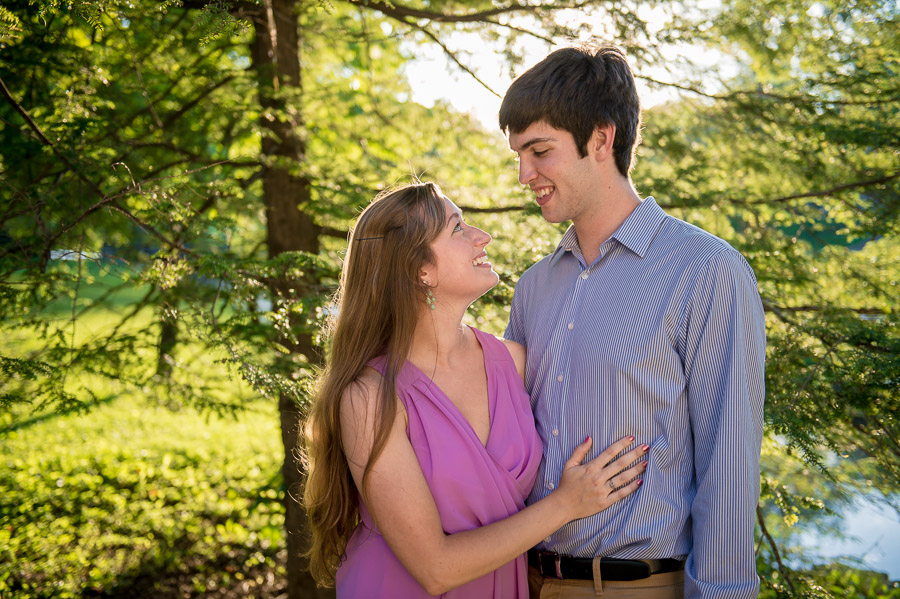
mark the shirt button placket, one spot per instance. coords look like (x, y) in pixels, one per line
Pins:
(560, 365)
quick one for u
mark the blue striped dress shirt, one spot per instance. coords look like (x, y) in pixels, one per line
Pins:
(663, 338)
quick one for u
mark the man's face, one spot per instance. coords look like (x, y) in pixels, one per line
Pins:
(550, 165)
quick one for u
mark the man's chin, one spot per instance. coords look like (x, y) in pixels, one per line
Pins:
(550, 216)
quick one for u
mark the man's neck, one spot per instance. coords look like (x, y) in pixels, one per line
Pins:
(616, 202)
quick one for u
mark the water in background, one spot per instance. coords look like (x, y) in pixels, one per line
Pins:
(872, 536)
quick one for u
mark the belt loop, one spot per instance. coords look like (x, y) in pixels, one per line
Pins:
(598, 579)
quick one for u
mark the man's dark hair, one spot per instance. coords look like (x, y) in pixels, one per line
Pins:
(577, 89)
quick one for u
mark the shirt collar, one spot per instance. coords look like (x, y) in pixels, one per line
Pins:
(636, 233)
(568, 242)
(641, 226)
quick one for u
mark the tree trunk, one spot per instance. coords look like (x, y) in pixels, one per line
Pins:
(168, 339)
(276, 59)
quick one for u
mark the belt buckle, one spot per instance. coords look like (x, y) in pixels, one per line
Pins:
(556, 564)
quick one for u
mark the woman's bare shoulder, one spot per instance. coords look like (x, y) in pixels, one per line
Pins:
(361, 396)
(517, 351)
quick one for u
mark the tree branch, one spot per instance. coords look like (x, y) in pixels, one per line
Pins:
(140, 77)
(147, 228)
(400, 12)
(450, 54)
(799, 196)
(137, 308)
(239, 9)
(173, 84)
(795, 99)
(181, 111)
(775, 552)
(111, 201)
(520, 30)
(162, 40)
(769, 307)
(43, 138)
(885, 432)
(336, 233)
(825, 192)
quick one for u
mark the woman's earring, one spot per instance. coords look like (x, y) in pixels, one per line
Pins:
(429, 296)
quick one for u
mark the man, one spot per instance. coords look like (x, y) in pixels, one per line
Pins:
(637, 324)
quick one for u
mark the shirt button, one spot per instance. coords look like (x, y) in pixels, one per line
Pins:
(555, 432)
(584, 275)
(547, 539)
(550, 486)
(560, 378)
(571, 325)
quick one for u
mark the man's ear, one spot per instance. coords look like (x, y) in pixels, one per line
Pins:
(600, 146)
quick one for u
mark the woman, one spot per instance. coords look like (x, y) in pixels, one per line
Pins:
(425, 495)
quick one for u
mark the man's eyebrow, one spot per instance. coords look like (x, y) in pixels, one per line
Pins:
(536, 140)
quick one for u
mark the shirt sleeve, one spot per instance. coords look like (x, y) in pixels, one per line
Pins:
(515, 328)
(724, 356)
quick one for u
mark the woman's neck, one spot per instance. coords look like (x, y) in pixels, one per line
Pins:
(440, 336)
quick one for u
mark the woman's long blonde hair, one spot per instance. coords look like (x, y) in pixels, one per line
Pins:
(376, 307)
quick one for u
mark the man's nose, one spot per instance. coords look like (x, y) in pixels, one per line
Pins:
(526, 171)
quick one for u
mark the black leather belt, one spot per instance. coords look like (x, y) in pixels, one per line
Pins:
(553, 565)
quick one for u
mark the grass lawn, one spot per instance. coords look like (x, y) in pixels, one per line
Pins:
(135, 500)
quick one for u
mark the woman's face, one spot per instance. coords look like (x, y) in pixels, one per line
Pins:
(461, 270)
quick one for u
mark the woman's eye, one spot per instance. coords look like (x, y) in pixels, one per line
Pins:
(458, 227)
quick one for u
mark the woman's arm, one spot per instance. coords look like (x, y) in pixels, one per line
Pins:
(399, 499)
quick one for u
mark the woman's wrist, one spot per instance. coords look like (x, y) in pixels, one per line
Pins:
(561, 505)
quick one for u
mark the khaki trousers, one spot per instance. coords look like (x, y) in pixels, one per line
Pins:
(669, 585)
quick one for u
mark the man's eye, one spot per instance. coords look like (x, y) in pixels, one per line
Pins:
(540, 153)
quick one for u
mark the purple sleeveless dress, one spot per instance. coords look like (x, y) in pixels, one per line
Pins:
(472, 484)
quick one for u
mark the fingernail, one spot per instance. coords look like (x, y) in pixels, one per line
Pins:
(646, 448)
(586, 439)
(631, 438)
(640, 482)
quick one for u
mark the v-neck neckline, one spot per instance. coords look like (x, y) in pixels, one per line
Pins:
(487, 378)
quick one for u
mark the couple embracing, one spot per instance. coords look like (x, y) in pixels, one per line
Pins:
(608, 446)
